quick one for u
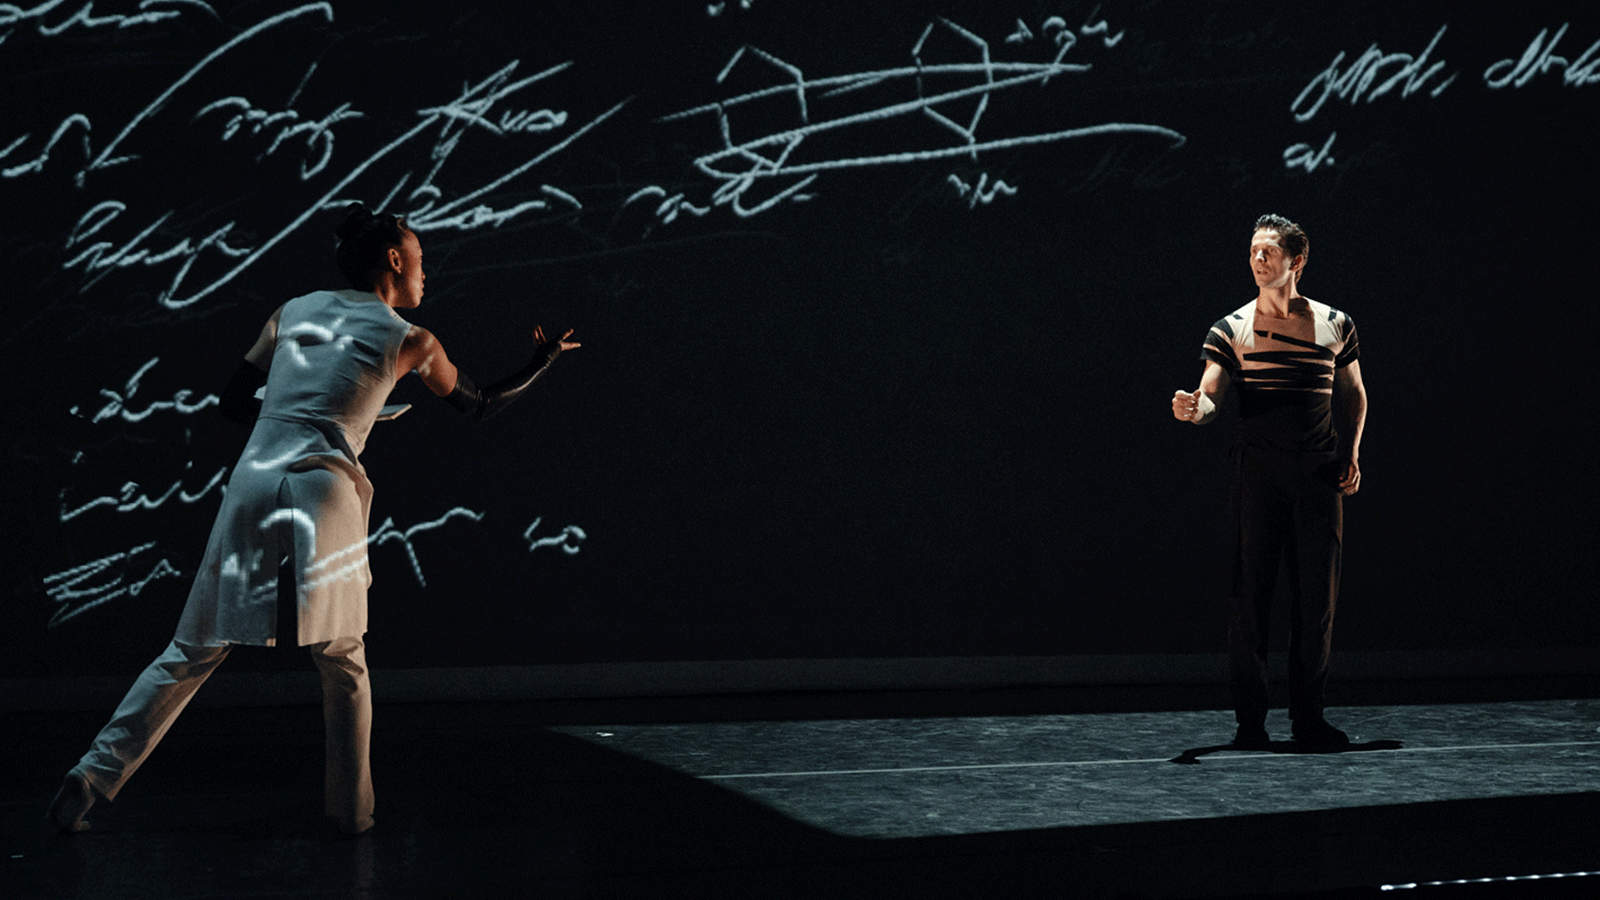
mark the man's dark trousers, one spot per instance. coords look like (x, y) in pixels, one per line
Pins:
(1287, 508)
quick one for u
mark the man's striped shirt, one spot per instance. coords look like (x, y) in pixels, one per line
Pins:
(1285, 383)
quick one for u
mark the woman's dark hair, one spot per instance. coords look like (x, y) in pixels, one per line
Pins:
(364, 241)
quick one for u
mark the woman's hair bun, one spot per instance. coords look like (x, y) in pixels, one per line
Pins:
(364, 241)
(356, 219)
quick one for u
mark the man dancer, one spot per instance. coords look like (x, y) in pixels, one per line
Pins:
(1302, 408)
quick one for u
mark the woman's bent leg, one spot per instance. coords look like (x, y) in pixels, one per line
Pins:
(161, 692)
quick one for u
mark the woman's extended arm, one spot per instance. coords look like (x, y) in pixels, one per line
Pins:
(423, 354)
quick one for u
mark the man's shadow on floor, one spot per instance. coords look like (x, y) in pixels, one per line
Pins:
(1192, 757)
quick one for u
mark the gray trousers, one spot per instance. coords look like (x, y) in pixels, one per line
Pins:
(164, 688)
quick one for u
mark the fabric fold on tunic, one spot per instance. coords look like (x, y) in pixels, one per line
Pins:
(299, 495)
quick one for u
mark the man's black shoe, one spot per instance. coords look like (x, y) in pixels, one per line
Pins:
(1318, 733)
(1252, 737)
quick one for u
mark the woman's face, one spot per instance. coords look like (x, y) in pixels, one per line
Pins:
(408, 268)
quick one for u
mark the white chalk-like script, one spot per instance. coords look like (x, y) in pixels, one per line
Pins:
(755, 174)
(56, 17)
(85, 587)
(1374, 75)
(132, 498)
(118, 403)
(1540, 58)
(388, 532)
(442, 190)
(568, 539)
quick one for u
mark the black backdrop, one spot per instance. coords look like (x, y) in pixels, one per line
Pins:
(879, 335)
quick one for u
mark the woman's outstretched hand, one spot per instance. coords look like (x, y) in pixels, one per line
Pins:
(538, 339)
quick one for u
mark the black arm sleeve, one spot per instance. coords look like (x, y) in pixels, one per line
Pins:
(238, 401)
(481, 403)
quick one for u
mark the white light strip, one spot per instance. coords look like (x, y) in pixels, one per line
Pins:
(1407, 887)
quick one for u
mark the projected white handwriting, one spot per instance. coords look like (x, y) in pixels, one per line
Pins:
(130, 499)
(82, 588)
(106, 159)
(321, 339)
(117, 402)
(103, 257)
(470, 108)
(982, 192)
(739, 166)
(568, 540)
(1407, 72)
(36, 165)
(341, 565)
(388, 532)
(283, 126)
(1540, 58)
(1305, 156)
(348, 562)
(150, 12)
(473, 110)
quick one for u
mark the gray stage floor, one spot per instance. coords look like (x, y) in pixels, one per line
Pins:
(643, 800)
(908, 778)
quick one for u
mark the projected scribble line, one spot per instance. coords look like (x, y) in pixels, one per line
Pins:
(76, 121)
(1357, 82)
(93, 584)
(340, 565)
(106, 159)
(117, 401)
(983, 191)
(132, 499)
(568, 540)
(95, 250)
(279, 461)
(102, 258)
(1540, 58)
(150, 12)
(388, 532)
(741, 164)
(284, 125)
(1371, 76)
(427, 217)
(75, 597)
(347, 561)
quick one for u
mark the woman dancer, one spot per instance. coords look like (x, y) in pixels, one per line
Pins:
(299, 499)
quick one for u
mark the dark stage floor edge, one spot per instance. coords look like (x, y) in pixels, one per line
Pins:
(1450, 789)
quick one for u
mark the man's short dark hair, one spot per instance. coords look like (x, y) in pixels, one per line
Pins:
(1294, 239)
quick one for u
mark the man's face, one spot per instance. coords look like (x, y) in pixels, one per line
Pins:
(1271, 265)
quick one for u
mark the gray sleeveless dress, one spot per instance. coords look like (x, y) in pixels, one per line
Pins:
(299, 495)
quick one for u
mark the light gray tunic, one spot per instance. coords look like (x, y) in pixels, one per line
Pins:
(299, 495)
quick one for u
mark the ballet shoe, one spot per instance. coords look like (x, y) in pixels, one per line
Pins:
(72, 803)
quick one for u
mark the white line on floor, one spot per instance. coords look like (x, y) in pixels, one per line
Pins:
(1122, 762)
